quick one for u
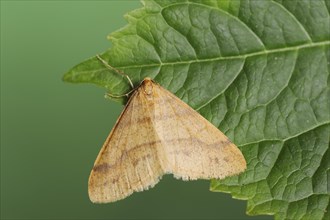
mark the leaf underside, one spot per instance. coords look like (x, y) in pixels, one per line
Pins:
(258, 70)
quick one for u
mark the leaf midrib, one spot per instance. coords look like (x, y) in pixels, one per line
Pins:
(288, 138)
(244, 56)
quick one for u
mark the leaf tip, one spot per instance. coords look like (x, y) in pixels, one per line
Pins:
(67, 77)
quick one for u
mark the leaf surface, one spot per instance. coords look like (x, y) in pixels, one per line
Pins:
(258, 70)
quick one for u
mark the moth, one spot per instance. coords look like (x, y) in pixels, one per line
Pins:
(159, 134)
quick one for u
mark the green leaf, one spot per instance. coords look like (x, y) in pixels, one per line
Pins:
(258, 70)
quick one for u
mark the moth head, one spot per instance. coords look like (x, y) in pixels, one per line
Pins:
(147, 85)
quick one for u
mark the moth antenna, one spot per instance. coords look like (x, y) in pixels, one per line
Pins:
(116, 70)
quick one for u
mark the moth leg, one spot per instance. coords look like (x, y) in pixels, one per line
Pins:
(109, 95)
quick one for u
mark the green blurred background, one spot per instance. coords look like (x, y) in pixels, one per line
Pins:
(51, 131)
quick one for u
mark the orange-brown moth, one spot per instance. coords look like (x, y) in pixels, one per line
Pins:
(156, 134)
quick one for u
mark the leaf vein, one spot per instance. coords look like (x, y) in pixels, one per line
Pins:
(220, 93)
(187, 39)
(294, 17)
(293, 48)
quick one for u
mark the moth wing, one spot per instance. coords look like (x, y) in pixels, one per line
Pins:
(195, 148)
(128, 160)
